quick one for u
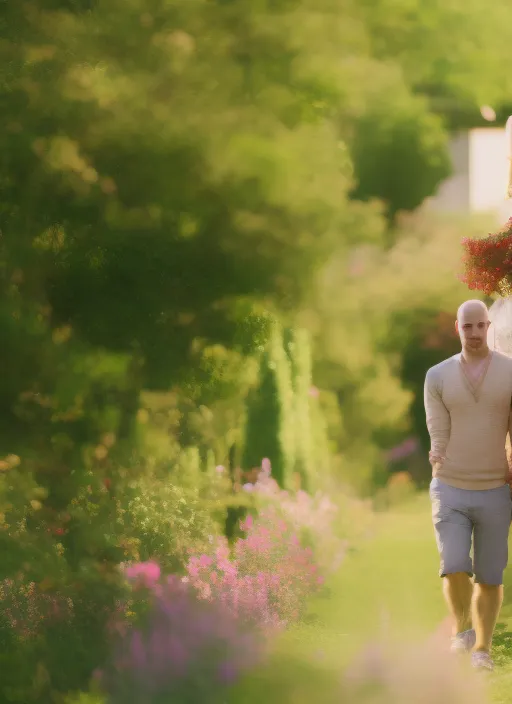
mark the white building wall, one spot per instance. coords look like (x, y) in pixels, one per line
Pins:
(488, 169)
(453, 195)
(480, 175)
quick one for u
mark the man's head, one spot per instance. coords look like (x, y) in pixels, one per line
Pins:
(472, 325)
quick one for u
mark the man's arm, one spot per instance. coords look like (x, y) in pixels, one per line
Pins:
(438, 418)
(508, 449)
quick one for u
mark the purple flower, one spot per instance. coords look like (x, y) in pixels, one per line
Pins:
(183, 645)
(138, 651)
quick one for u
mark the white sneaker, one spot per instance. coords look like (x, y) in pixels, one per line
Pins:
(482, 660)
(463, 642)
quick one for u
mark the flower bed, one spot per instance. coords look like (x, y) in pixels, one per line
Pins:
(182, 629)
(193, 635)
(181, 649)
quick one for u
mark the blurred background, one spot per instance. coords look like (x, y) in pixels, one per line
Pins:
(229, 232)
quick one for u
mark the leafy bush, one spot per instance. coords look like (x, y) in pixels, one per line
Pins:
(175, 510)
(168, 522)
(52, 640)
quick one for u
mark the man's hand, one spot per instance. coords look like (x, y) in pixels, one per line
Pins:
(434, 458)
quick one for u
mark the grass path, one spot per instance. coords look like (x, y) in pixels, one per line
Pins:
(390, 584)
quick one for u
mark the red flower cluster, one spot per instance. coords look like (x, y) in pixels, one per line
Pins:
(488, 262)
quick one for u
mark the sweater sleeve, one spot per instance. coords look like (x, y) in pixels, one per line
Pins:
(437, 415)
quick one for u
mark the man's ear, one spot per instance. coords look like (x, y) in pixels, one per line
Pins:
(457, 327)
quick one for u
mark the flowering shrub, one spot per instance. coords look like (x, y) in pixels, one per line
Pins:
(25, 608)
(265, 579)
(182, 638)
(192, 636)
(488, 262)
(53, 635)
(58, 585)
(183, 649)
(313, 518)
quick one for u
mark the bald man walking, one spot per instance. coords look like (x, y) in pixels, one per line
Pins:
(468, 401)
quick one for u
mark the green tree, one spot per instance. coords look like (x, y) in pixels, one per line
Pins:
(443, 51)
(299, 352)
(400, 155)
(270, 429)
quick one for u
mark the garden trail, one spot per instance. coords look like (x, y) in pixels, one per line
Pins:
(387, 590)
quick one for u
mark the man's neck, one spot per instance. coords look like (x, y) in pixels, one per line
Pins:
(472, 356)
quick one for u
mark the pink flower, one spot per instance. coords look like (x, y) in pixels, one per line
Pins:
(204, 589)
(266, 467)
(222, 552)
(146, 572)
(205, 561)
(227, 567)
(247, 524)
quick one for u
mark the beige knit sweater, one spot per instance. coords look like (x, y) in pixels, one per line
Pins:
(468, 424)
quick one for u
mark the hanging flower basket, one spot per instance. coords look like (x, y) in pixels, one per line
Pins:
(488, 262)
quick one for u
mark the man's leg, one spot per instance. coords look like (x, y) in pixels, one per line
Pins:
(486, 608)
(492, 516)
(453, 530)
(458, 592)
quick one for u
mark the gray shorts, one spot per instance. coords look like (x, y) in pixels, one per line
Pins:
(460, 515)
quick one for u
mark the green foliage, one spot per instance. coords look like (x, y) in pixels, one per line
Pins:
(143, 192)
(416, 35)
(167, 521)
(284, 419)
(85, 698)
(270, 423)
(299, 352)
(323, 450)
(281, 367)
(410, 144)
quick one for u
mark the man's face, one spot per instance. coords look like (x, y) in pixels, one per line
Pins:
(472, 327)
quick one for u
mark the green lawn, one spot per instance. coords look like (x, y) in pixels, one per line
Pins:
(388, 588)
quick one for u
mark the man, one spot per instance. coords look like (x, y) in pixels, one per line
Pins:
(467, 403)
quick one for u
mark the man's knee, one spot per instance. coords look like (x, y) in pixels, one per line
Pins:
(485, 588)
(455, 564)
(457, 576)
